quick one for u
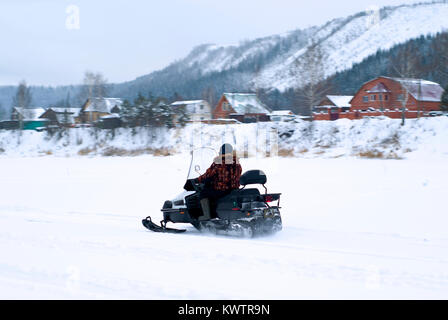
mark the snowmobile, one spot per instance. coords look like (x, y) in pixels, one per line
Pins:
(244, 212)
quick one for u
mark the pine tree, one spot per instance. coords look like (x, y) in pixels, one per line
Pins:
(140, 112)
(444, 103)
(181, 115)
(127, 113)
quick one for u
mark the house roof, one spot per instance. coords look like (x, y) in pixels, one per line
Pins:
(72, 111)
(244, 103)
(186, 102)
(104, 105)
(421, 90)
(111, 116)
(380, 87)
(340, 101)
(281, 113)
(29, 114)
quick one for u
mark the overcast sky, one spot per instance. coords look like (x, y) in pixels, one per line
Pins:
(44, 42)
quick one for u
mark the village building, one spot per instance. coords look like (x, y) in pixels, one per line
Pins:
(197, 110)
(282, 115)
(29, 117)
(243, 107)
(333, 105)
(94, 108)
(111, 121)
(386, 96)
(389, 94)
(64, 117)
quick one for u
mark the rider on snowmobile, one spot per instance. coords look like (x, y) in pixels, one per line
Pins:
(220, 179)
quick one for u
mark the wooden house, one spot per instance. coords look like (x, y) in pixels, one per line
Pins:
(29, 117)
(390, 97)
(94, 108)
(385, 93)
(64, 117)
(333, 105)
(197, 110)
(244, 107)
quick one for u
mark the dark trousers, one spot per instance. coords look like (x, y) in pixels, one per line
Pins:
(212, 194)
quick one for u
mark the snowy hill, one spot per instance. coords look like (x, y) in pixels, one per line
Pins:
(266, 62)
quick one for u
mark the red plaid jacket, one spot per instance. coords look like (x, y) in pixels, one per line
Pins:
(224, 173)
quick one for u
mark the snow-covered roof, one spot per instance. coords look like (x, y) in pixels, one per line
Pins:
(30, 113)
(340, 101)
(244, 103)
(72, 111)
(421, 90)
(187, 102)
(103, 104)
(111, 116)
(281, 113)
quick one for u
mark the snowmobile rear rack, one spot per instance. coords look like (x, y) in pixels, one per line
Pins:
(147, 223)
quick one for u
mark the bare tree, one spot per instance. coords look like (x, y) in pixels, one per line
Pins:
(405, 65)
(208, 94)
(22, 100)
(405, 62)
(309, 70)
(94, 85)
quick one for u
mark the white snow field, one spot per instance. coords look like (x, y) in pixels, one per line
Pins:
(70, 228)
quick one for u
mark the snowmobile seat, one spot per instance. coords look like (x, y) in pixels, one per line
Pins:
(248, 192)
(253, 177)
(239, 196)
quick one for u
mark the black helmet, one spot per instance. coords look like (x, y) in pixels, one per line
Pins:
(226, 148)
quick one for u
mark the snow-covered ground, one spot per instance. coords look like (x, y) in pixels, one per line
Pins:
(70, 227)
(377, 138)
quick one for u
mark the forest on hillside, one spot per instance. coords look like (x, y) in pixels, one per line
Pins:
(425, 57)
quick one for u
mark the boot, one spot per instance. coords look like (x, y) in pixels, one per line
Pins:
(205, 204)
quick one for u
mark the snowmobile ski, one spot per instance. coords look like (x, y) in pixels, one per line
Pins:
(147, 223)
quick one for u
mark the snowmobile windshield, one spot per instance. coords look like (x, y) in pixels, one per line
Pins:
(201, 160)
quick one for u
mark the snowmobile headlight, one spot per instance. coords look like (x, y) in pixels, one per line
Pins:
(167, 205)
(179, 202)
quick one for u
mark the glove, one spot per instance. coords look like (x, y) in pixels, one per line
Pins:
(189, 185)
